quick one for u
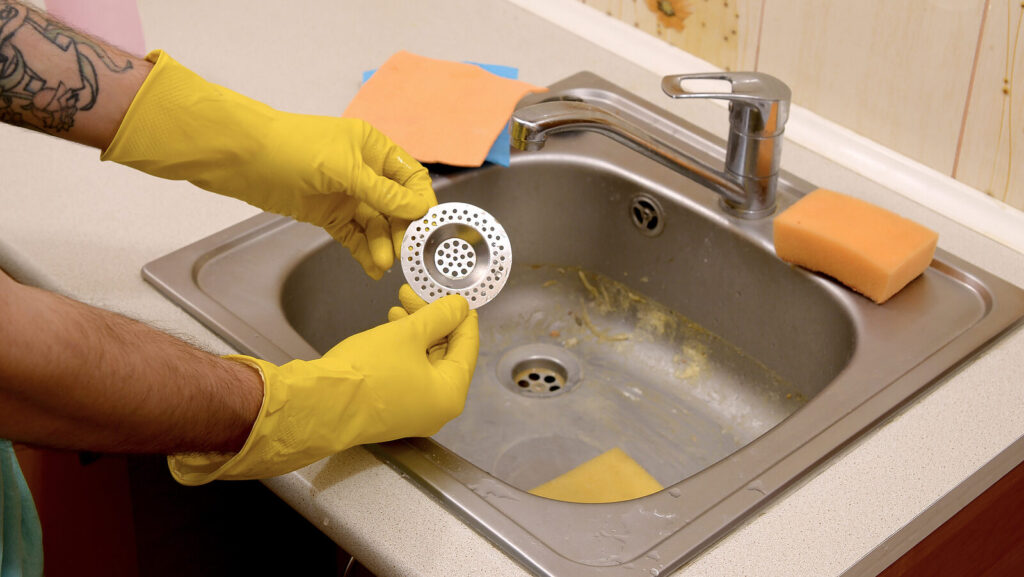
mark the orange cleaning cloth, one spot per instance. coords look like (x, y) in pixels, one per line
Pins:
(438, 111)
(869, 249)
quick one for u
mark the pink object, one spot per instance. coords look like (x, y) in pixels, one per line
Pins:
(116, 21)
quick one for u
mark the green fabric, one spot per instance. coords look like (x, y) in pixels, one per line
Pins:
(21, 537)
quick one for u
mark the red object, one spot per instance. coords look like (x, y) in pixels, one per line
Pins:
(85, 511)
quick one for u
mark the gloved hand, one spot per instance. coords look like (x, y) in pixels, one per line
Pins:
(411, 302)
(375, 386)
(339, 174)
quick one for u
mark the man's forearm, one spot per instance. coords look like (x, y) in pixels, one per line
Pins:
(73, 376)
(60, 81)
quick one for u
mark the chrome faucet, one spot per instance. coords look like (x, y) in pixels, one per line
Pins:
(758, 109)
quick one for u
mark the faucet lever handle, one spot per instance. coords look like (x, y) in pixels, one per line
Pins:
(759, 102)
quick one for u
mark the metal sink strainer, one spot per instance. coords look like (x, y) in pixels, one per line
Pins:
(456, 248)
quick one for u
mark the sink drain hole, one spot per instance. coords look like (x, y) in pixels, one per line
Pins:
(539, 375)
(539, 370)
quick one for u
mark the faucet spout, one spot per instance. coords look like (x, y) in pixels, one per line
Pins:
(747, 184)
(531, 126)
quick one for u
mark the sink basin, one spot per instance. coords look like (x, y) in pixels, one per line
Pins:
(638, 315)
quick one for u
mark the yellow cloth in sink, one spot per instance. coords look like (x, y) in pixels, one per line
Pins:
(609, 477)
(438, 111)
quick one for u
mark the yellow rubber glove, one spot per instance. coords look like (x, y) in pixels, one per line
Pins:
(375, 386)
(337, 173)
(411, 302)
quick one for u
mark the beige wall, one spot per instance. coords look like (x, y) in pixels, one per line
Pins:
(940, 81)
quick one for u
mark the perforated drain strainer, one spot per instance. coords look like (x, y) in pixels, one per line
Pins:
(456, 248)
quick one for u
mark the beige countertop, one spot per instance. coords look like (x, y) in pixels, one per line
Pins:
(85, 228)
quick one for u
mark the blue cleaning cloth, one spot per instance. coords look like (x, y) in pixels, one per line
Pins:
(501, 151)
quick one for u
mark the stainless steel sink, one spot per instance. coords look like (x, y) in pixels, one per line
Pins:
(638, 315)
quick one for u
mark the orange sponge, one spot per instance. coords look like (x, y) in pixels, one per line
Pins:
(869, 249)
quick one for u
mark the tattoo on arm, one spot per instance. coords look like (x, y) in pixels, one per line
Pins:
(48, 72)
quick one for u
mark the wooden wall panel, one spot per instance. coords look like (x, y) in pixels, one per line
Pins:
(896, 72)
(723, 32)
(992, 151)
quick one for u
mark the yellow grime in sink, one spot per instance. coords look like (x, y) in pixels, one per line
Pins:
(603, 312)
(610, 477)
(652, 320)
(694, 359)
(590, 288)
(609, 296)
(601, 335)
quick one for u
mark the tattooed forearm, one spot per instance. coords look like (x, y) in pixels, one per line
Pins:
(48, 72)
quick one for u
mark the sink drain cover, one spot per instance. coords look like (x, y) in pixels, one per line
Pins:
(456, 249)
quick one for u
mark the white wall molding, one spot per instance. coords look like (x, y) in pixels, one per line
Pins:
(922, 184)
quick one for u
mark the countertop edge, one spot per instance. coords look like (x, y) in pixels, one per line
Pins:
(902, 541)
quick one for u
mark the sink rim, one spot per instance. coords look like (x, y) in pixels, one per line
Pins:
(410, 456)
(430, 462)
